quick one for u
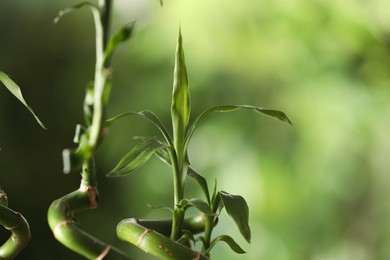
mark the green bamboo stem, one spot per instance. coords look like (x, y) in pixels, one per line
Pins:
(178, 190)
(207, 234)
(154, 243)
(194, 224)
(61, 212)
(66, 230)
(18, 225)
(101, 73)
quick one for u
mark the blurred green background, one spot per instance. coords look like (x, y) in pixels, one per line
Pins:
(318, 190)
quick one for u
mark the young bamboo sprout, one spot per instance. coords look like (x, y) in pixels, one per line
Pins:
(61, 212)
(173, 244)
(9, 219)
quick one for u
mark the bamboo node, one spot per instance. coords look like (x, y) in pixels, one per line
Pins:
(93, 194)
(104, 253)
(197, 256)
(142, 236)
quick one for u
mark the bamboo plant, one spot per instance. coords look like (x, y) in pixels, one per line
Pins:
(10, 219)
(61, 213)
(167, 239)
(175, 243)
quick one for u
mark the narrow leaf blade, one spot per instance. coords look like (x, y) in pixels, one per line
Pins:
(229, 108)
(180, 107)
(137, 157)
(201, 181)
(228, 240)
(201, 206)
(163, 155)
(147, 114)
(15, 90)
(238, 210)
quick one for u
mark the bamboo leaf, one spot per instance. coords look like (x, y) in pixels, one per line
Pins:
(228, 240)
(216, 200)
(15, 90)
(122, 35)
(201, 206)
(180, 107)
(238, 210)
(201, 181)
(73, 8)
(163, 155)
(147, 114)
(228, 108)
(137, 157)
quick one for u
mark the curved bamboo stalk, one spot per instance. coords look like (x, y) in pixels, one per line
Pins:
(195, 225)
(152, 242)
(65, 227)
(17, 224)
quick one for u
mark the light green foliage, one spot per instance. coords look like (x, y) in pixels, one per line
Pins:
(315, 191)
(174, 153)
(137, 157)
(15, 90)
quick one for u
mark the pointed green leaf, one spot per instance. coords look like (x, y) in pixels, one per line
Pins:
(228, 240)
(122, 35)
(163, 155)
(201, 206)
(15, 90)
(180, 108)
(73, 8)
(201, 181)
(238, 210)
(216, 200)
(147, 114)
(137, 157)
(228, 108)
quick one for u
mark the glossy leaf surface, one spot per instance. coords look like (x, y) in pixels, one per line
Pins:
(147, 114)
(15, 90)
(180, 108)
(228, 240)
(137, 157)
(228, 108)
(200, 205)
(201, 181)
(238, 210)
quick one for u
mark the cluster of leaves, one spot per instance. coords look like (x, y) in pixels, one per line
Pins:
(172, 149)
